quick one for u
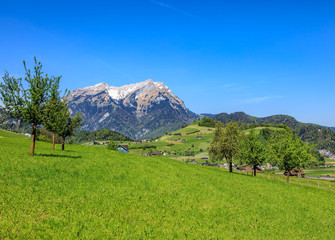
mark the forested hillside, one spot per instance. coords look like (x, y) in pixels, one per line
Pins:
(322, 137)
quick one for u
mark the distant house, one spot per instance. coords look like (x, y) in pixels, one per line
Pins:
(137, 141)
(182, 140)
(295, 173)
(122, 148)
(200, 137)
(177, 134)
(155, 154)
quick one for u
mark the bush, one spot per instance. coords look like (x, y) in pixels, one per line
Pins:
(112, 145)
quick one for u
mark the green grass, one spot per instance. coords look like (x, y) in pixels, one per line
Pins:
(320, 172)
(93, 193)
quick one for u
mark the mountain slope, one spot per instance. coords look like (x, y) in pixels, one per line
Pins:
(140, 110)
(323, 137)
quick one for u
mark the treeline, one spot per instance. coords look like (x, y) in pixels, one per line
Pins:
(81, 136)
(282, 148)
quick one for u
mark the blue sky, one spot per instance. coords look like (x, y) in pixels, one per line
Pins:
(260, 57)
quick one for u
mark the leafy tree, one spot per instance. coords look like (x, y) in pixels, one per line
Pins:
(225, 143)
(289, 152)
(66, 123)
(27, 104)
(112, 145)
(252, 150)
(53, 109)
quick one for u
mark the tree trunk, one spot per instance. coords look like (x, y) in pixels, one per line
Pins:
(33, 138)
(230, 166)
(53, 141)
(255, 170)
(288, 177)
(63, 144)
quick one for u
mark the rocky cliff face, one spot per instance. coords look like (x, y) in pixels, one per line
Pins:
(140, 110)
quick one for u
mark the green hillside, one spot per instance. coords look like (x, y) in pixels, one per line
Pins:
(322, 137)
(193, 143)
(93, 193)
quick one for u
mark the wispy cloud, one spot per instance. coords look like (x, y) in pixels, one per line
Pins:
(172, 8)
(259, 99)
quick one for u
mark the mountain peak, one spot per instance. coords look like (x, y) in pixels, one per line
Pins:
(135, 110)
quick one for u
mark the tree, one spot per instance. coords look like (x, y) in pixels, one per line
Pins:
(53, 109)
(225, 143)
(252, 150)
(289, 151)
(66, 123)
(112, 145)
(27, 104)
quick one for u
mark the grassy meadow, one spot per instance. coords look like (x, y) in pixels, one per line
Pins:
(94, 193)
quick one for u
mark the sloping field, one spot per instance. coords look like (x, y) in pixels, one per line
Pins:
(94, 193)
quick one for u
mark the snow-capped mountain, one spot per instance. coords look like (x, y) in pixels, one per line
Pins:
(139, 110)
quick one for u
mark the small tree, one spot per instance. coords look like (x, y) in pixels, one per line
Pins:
(225, 143)
(27, 104)
(67, 124)
(112, 145)
(252, 150)
(289, 152)
(53, 108)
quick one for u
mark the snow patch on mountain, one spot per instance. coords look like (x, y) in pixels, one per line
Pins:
(106, 115)
(122, 92)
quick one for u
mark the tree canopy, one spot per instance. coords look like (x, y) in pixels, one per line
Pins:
(225, 144)
(288, 151)
(66, 124)
(252, 151)
(28, 104)
(53, 109)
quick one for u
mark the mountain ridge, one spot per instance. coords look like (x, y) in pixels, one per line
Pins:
(139, 110)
